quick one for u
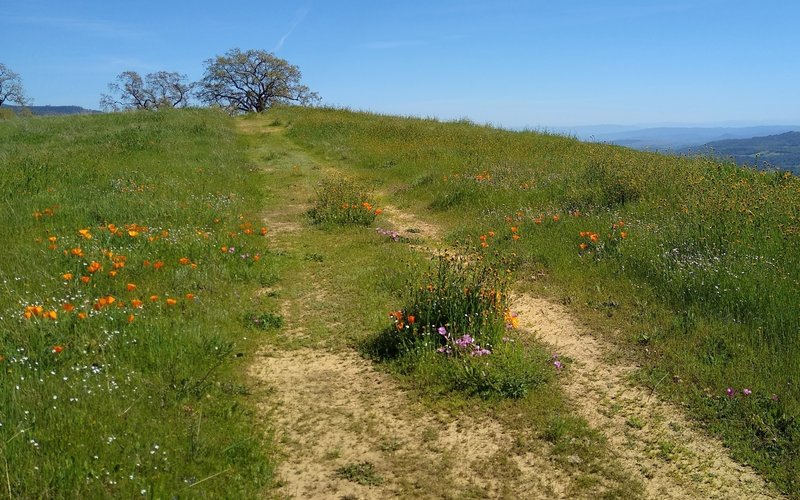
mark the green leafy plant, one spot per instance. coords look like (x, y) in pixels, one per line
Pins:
(342, 202)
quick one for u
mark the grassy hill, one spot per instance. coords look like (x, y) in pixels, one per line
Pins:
(690, 263)
(135, 253)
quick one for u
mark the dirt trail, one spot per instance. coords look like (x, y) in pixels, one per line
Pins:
(334, 410)
(652, 439)
(349, 431)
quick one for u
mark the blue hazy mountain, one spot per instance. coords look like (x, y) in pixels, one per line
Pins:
(772, 152)
(54, 110)
(671, 138)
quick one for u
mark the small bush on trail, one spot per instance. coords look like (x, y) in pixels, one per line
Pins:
(341, 202)
(452, 333)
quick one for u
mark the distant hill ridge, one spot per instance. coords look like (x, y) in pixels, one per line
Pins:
(780, 151)
(54, 110)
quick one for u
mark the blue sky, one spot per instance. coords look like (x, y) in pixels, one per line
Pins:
(511, 63)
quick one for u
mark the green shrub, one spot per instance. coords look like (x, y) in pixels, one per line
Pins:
(452, 334)
(342, 202)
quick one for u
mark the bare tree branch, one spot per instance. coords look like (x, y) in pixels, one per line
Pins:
(11, 87)
(156, 91)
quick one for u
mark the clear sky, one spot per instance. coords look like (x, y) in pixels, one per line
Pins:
(511, 63)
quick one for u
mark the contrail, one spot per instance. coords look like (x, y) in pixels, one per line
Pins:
(301, 14)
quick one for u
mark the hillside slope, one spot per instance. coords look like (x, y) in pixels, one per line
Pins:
(689, 264)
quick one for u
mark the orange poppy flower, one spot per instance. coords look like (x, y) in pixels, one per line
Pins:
(264, 231)
(94, 266)
(77, 252)
(130, 318)
(137, 303)
(515, 236)
(85, 279)
(583, 246)
(112, 273)
(52, 239)
(158, 265)
(57, 349)
(130, 287)
(51, 315)
(133, 233)
(184, 260)
(81, 315)
(67, 276)
(68, 307)
(623, 235)
(171, 302)
(85, 233)
(154, 298)
(378, 211)
(190, 296)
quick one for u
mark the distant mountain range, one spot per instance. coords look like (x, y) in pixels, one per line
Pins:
(781, 151)
(672, 138)
(770, 147)
(55, 110)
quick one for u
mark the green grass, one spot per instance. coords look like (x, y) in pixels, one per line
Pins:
(342, 280)
(142, 396)
(702, 288)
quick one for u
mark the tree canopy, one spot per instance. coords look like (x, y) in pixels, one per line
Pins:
(11, 87)
(255, 80)
(158, 90)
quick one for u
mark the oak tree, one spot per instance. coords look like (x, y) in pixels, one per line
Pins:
(155, 91)
(11, 87)
(252, 81)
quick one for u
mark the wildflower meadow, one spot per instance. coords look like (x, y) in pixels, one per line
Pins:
(127, 245)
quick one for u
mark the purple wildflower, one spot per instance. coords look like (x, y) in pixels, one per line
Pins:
(464, 341)
(558, 365)
(747, 391)
(231, 250)
(730, 392)
(442, 331)
(480, 351)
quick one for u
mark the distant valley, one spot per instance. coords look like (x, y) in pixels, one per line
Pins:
(769, 147)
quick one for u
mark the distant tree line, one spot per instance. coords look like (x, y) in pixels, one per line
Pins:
(239, 82)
